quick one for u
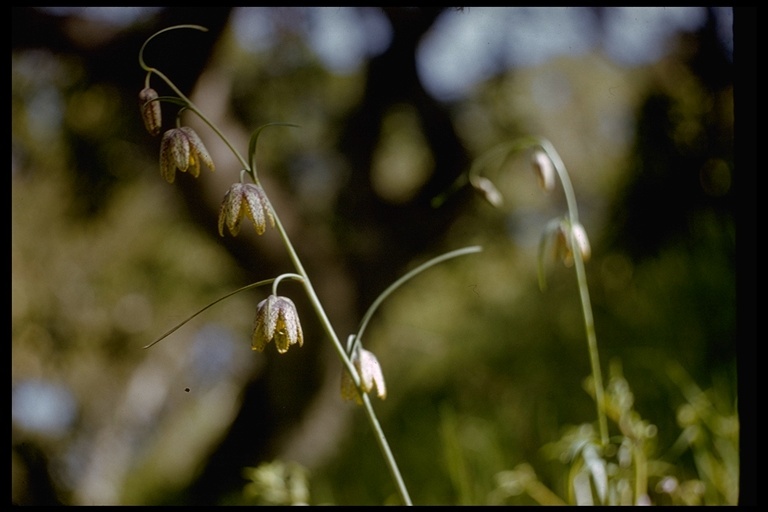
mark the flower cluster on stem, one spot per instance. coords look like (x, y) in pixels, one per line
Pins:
(277, 319)
(566, 235)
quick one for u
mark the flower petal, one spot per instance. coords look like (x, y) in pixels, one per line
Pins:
(179, 149)
(254, 206)
(288, 324)
(348, 388)
(582, 241)
(167, 165)
(258, 338)
(233, 204)
(371, 374)
(198, 147)
(194, 165)
(150, 110)
(544, 170)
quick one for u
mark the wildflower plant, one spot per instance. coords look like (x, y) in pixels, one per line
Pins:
(622, 469)
(563, 238)
(603, 469)
(276, 318)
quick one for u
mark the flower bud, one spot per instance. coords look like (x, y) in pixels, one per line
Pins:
(150, 110)
(544, 169)
(371, 377)
(276, 319)
(245, 199)
(182, 149)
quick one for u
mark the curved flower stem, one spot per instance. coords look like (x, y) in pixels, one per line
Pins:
(301, 272)
(505, 149)
(192, 107)
(401, 281)
(178, 326)
(189, 105)
(581, 277)
(328, 327)
(474, 177)
(279, 278)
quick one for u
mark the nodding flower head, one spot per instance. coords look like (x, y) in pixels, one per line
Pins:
(245, 199)
(150, 110)
(369, 370)
(182, 149)
(563, 249)
(544, 169)
(276, 319)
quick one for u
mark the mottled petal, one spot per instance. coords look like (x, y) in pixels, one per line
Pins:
(290, 320)
(371, 377)
(348, 388)
(258, 339)
(287, 328)
(371, 374)
(167, 164)
(276, 319)
(265, 206)
(198, 147)
(271, 316)
(234, 201)
(179, 149)
(182, 149)
(254, 206)
(150, 110)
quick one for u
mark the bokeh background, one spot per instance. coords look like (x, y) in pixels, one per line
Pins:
(483, 369)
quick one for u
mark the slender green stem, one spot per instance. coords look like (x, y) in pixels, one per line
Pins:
(279, 278)
(178, 326)
(143, 64)
(402, 280)
(381, 440)
(189, 104)
(328, 327)
(505, 149)
(301, 273)
(581, 276)
(192, 107)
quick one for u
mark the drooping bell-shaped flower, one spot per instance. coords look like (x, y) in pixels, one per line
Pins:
(245, 199)
(563, 248)
(544, 170)
(371, 377)
(276, 319)
(182, 149)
